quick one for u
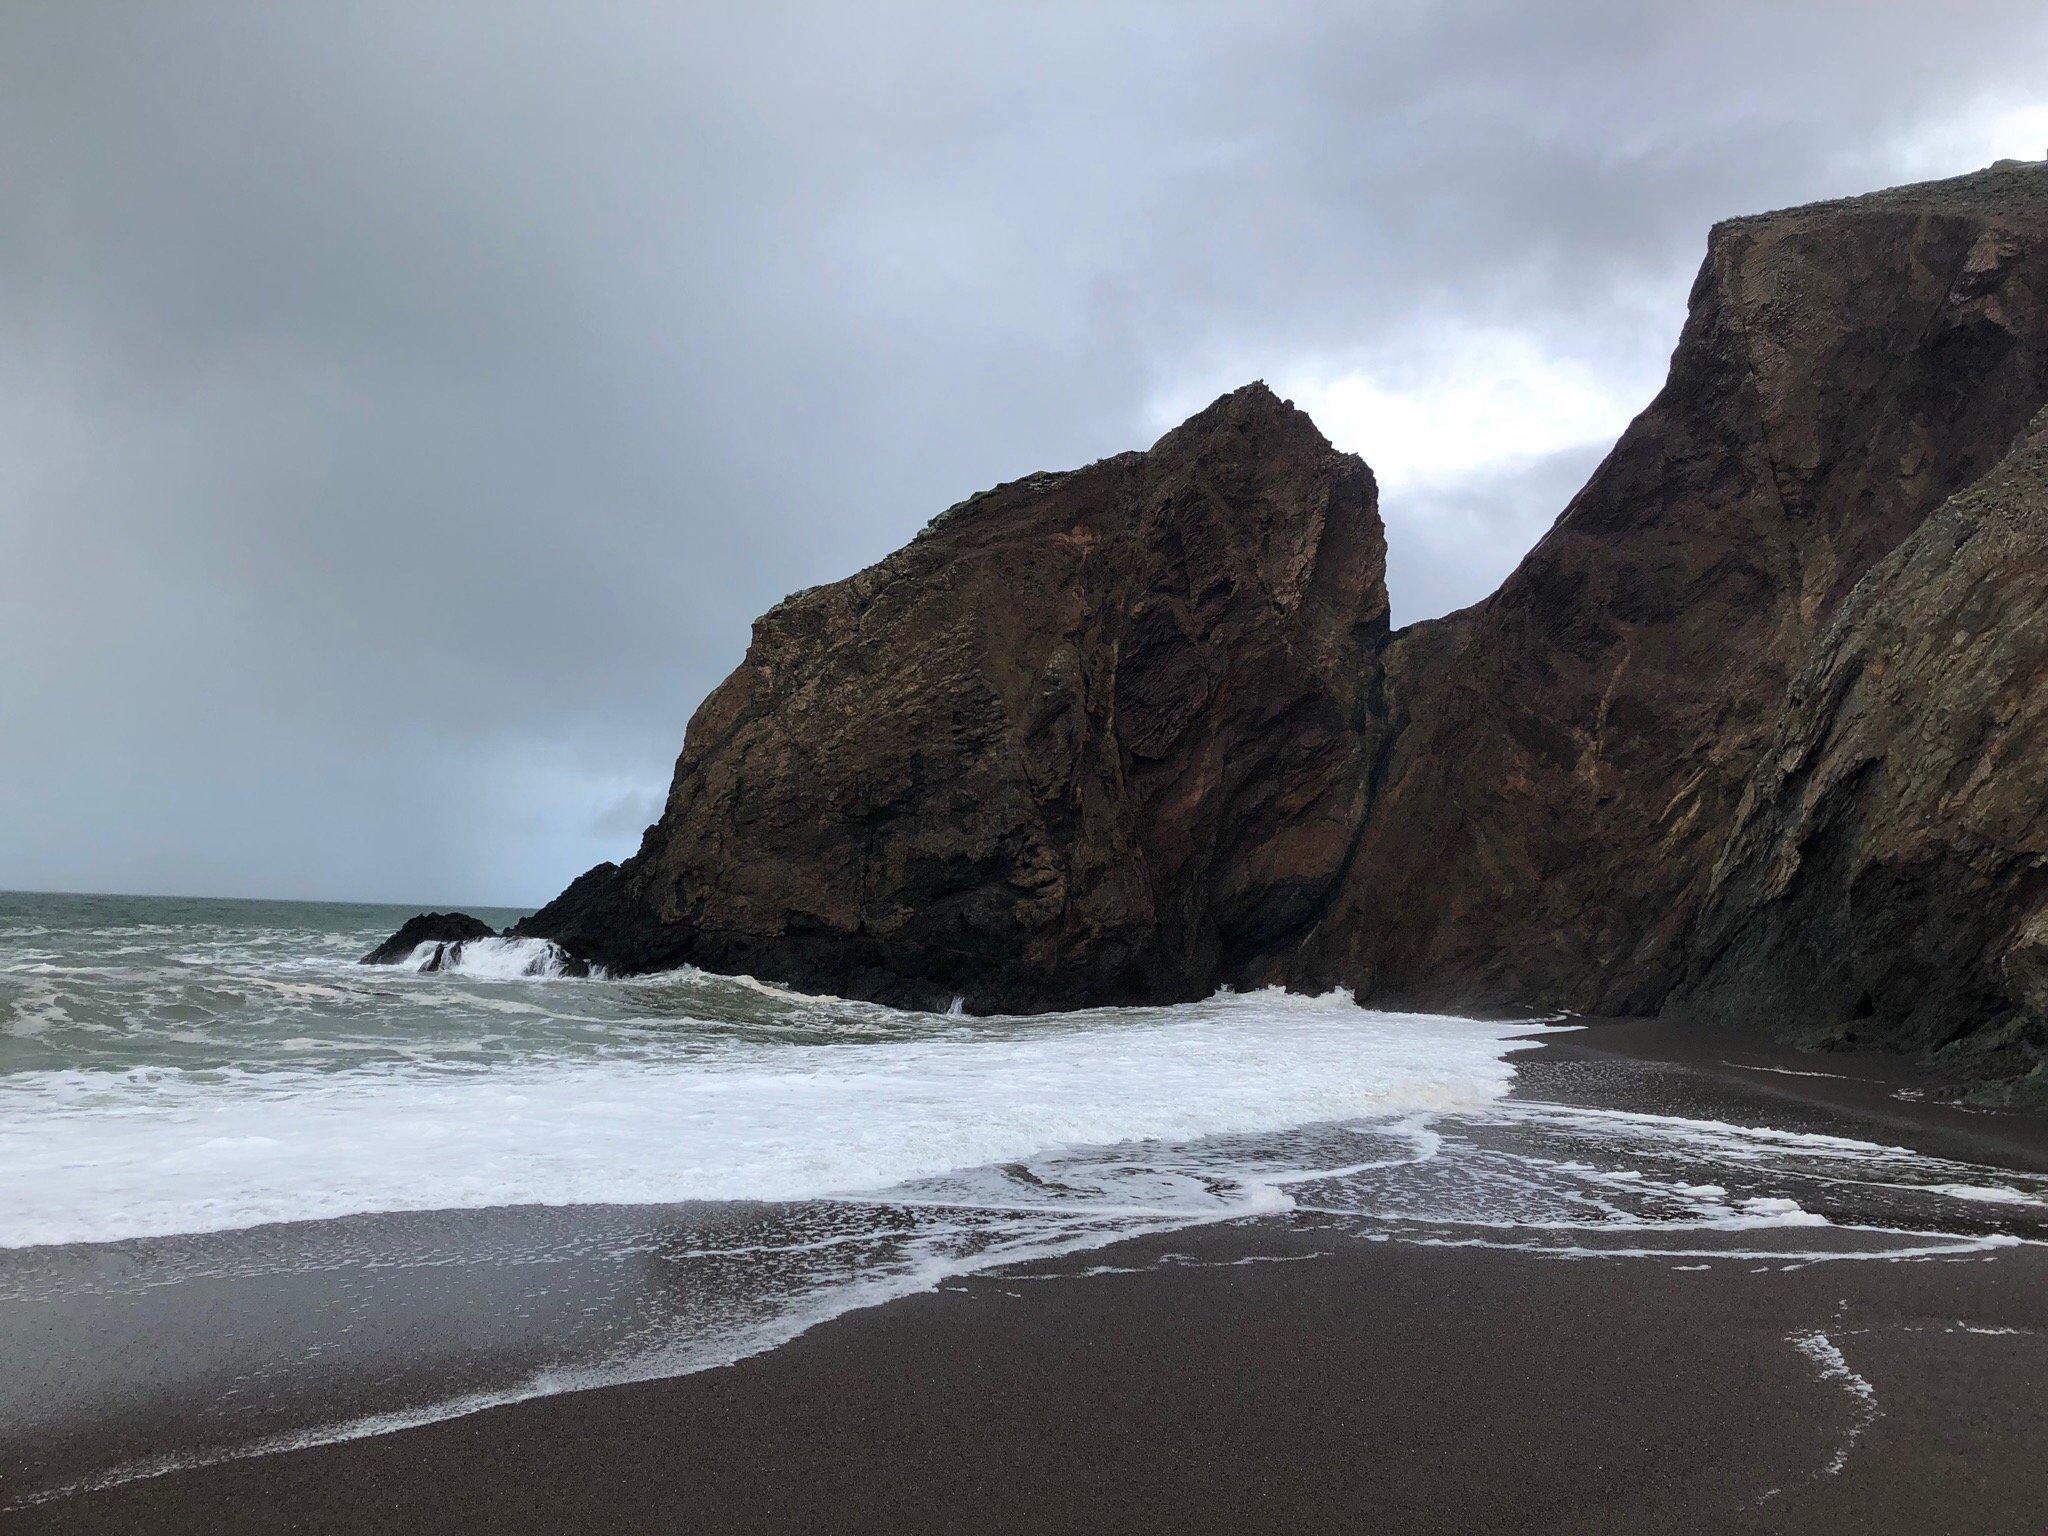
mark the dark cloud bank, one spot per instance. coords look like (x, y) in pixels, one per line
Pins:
(404, 409)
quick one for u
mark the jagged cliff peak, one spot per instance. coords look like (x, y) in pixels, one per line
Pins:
(1249, 406)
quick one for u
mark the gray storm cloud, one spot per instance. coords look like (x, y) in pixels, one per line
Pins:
(405, 409)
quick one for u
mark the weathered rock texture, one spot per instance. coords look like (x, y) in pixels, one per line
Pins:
(1139, 729)
(1887, 878)
(1091, 737)
(1570, 752)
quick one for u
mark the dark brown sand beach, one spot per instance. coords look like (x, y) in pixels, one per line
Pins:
(1257, 1377)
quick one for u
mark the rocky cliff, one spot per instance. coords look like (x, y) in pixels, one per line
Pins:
(1886, 880)
(1091, 737)
(1140, 729)
(1571, 752)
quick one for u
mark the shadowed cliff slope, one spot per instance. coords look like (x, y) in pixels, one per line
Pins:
(1886, 881)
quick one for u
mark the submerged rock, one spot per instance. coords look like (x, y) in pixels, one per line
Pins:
(428, 928)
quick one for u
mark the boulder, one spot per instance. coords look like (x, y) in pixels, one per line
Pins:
(428, 928)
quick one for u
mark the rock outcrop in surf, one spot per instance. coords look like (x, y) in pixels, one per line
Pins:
(428, 928)
(454, 941)
(1138, 730)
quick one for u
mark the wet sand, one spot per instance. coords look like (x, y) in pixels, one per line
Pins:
(1256, 1377)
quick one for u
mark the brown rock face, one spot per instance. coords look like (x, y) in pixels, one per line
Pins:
(1090, 737)
(1136, 730)
(1887, 877)
(1568, 755)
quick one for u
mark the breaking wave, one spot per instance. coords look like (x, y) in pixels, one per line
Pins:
(721, 1164)
(490, 959)
(100, 1155)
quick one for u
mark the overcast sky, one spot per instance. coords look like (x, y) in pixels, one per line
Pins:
(405, 409)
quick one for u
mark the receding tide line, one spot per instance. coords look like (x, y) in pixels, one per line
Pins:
(658, 1367)
(931, 1276)
(1091, 1086)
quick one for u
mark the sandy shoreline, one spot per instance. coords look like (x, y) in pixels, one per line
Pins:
(1257, 1376)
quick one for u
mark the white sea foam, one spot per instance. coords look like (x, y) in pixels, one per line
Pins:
(96, 1155)
(1987, 1194)
(225, 1075)
(491, 959)
(1833, 1367)
(1791, 1072)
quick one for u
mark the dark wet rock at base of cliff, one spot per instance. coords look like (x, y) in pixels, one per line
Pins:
(428, 928)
